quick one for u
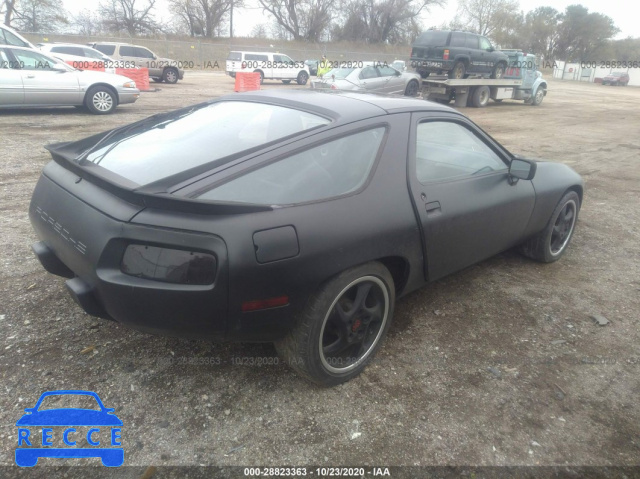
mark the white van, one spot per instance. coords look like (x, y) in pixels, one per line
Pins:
(271, 66)
(8, 36)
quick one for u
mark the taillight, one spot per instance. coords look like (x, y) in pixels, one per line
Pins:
(169, 265)
(334, 87)
(445, 56)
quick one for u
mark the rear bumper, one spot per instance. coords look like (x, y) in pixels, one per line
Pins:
(431, 66)
(87, 246)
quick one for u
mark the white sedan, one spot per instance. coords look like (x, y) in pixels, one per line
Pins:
(32, 79)
(372, 77)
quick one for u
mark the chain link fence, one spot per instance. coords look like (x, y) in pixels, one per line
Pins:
(203, 54)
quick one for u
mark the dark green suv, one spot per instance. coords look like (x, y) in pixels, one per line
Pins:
(459, 54)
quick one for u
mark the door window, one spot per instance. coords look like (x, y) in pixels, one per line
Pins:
(126, 51)
(387, 71)
(368, 73)
(446, 151)
(68, 51)
(30, 60)
(472, 41)
(143, 53)
(484, 44)
(107, 49)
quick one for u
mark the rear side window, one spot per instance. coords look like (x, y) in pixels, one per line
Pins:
(106, 49)
(68, 51)
(434, 38)
(234, 56)
(333, 169)
(457, 39)
(178, 142)
(255, 57)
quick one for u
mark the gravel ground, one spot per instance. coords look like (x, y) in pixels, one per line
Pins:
(500, 364)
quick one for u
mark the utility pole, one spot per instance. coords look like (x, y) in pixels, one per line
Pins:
(231, 22)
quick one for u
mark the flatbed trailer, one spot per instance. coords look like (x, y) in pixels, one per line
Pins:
(521, 81)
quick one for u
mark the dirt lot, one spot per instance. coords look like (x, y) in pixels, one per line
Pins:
(561, 389)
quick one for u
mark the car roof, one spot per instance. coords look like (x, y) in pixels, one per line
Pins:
(62, 44)
(343, 106)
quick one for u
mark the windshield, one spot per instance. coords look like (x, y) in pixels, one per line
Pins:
(339, 72)
(175, 143)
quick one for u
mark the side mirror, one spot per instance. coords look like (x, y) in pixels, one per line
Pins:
(522, 169)
(56, 67)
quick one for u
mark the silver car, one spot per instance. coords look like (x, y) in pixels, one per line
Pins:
(370, 77)
(32, 79)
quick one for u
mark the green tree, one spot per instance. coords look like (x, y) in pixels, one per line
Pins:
(582, 34)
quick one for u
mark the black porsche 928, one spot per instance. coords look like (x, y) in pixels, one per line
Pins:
(293, 217)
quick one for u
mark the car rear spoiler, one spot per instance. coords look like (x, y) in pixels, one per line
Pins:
(66, 153)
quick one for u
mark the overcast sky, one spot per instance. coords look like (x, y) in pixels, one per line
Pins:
(622, 13)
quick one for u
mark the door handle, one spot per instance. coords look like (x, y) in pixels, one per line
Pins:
(433, 208)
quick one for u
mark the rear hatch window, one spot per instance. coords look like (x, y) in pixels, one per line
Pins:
(202, 135)
(433, 38)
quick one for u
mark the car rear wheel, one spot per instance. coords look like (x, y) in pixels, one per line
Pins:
(551, 243)
(101, 100)
(458, 71)
(498, 71)
(302, 78)
(170, 75)
(412, 88)
(342, 326)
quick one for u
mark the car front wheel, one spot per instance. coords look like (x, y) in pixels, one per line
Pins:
(551, 243)
(342, 326)
(101, 100)
(498, 71)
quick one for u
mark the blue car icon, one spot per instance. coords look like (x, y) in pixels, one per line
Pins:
(28, 456)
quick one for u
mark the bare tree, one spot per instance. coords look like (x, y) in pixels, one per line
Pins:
(485, 16)
(378, 21)
(87, 23)
(303, 19)
(203, 17)
(39, 15)
(131, 16)
(259, 31)
(7, 9)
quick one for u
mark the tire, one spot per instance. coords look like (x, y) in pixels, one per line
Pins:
(101, 100)
(481, 96)
(458, 71)
(412, 88)
(538, 97)
(551, 243)
(498, 71)
(261, 75)
(286, 82)
(330, 318)
(303, 78)
(170, 75)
